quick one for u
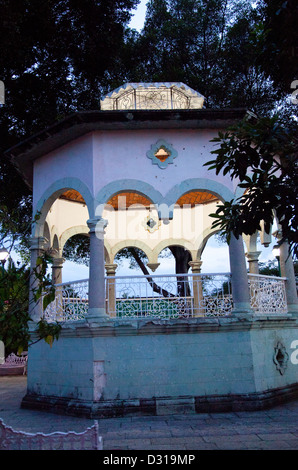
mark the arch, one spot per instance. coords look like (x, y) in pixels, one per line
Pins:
(82, 230)
(118, 186)
(208, 233)
(134, 243)
(70, 232)
(177, 242)
(196, 184)
(55, 243)
(53, 192)
(47, 234)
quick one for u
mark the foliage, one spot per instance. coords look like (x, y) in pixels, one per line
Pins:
(56, 58)
(262, 154)
(48, 331)
(14, 306)
(211, 46)
(278, 50)
(14, 288)
(269, 268)
(77, 249)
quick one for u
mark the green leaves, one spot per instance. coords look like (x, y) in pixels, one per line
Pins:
(262, 155)
(48, 331)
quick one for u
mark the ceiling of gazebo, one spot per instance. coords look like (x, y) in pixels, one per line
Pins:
(72, 195)
(127, 199)
(196, 197)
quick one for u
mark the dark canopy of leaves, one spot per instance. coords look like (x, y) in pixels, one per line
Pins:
(278, 39)
(263, 155)
(56, 57)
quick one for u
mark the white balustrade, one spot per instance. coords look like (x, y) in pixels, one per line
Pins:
(71, 302)
(171, 296)
(168, 296)
(267, 294)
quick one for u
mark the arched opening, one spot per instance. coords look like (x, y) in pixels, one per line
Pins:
(131, 258)
(133, 225)
(64, 210)
(214, 254)
(176, 259)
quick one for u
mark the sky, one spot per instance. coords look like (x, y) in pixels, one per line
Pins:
(137, 20)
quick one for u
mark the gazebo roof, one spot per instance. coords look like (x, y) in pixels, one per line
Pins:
(132, 106)
(155, 95)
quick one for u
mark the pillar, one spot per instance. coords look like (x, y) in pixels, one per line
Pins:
(253, 261)
(57, 266)
(111, 289)
(97, 308)
(239, 279)
(57, 270)
(37, 248)
(287, 271)
(197, 288)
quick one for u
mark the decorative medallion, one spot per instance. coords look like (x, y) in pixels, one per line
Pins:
(151, 224)
(280, 358)
(162, 154)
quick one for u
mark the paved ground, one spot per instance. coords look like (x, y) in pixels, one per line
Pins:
(274, 429)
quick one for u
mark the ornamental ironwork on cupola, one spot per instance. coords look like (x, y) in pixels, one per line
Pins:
(157, 95)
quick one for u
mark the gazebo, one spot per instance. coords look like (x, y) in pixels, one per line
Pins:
(132, 174)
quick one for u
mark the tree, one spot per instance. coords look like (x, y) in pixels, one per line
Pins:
(212, 46)
(277, 35)
(262, 154)
(14, 297)
(14, 306)
(56, 58)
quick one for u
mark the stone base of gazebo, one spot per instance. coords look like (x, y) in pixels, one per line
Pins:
(163, 405)
(159, 367)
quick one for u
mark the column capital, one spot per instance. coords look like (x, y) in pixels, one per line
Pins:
(38, 243)
(253, 255)
(58, 262)
(97, 226)
(196, 266)
(111, 269)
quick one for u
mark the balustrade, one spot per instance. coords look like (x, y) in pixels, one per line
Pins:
(169, 296)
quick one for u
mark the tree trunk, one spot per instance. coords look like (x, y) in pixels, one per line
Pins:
(154, 286)
(182, 258)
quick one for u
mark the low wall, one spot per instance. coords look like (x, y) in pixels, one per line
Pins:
(161, 367)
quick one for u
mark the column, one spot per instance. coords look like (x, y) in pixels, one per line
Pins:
(57, 266)
(57, 270)
(287, 270)
(197, 288)
(111, 289)
(239, 279)
(97, 307)
(253, 261)
(37, 248)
